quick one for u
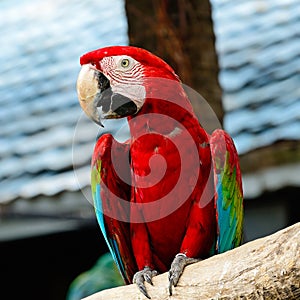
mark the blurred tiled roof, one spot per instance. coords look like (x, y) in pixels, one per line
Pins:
(258, 43)
(41, 42)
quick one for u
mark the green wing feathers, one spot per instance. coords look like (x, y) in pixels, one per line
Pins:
(228, 191)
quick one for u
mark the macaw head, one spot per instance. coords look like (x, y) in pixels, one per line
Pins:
(112, 82)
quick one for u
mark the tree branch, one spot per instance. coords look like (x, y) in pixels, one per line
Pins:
(267, 268)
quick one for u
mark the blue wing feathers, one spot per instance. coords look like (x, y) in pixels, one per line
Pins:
(229, 195)
(111, 243)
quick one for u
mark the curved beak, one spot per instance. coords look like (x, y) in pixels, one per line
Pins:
(97, 98)
(87, 89)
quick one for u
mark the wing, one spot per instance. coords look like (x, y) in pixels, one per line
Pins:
(111, 194)
(228, 189)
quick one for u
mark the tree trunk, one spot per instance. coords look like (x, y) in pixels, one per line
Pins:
(181, 33)
(267, 268)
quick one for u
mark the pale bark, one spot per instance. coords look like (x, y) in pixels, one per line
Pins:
(267, 268)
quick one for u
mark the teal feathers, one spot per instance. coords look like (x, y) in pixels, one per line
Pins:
(229, 193)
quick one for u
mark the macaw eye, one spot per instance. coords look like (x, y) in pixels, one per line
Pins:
(125, 62)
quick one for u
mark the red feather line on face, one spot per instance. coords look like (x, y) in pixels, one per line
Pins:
(132, 76)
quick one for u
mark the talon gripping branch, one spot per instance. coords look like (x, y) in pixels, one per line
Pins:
(170, 195)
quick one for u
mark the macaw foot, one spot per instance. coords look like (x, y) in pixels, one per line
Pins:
(177, 267)
(144, 275)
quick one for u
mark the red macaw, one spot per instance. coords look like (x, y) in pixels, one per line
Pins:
(170, 195)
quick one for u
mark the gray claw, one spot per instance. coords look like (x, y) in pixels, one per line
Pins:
(177, 267)
(144, 275)
(148, 279)
(142, 288)
(170, 286)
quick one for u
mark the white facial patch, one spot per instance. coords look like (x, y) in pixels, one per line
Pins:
(135, 92)
(126, 77)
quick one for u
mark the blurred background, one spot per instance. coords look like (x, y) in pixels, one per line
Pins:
(243, 58)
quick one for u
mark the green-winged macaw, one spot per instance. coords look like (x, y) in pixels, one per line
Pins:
(170, 195)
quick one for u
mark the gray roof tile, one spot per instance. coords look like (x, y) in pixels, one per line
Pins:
(258, 44)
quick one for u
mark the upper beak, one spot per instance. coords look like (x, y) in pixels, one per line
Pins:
(88, 89)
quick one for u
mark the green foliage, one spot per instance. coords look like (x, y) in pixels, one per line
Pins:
(103, 275)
